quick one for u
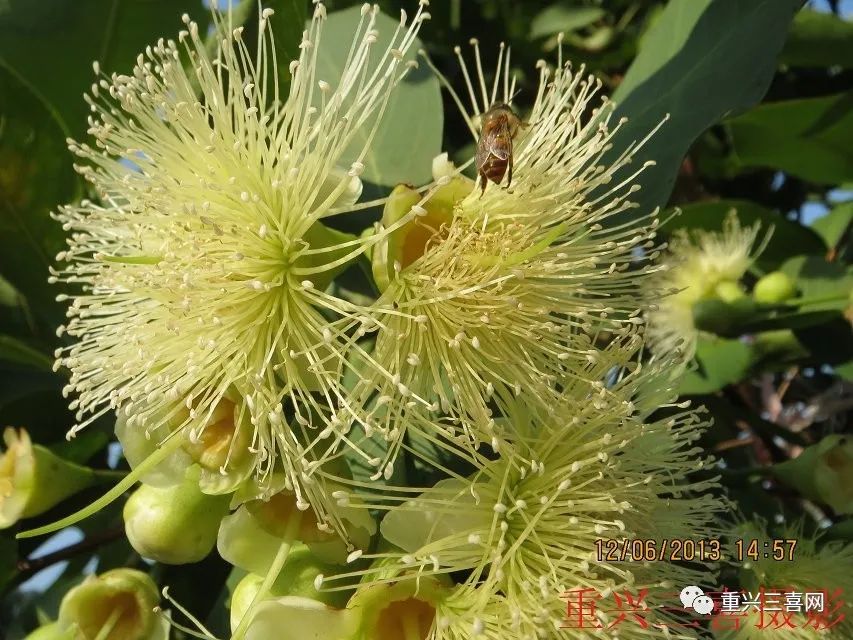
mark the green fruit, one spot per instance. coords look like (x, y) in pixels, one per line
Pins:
(773, 288)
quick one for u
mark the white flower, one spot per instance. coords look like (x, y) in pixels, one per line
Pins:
(201, 272)
(594, 466)
(502, 295)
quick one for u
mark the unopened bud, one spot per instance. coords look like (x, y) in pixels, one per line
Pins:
(773, 288)
(174, 525)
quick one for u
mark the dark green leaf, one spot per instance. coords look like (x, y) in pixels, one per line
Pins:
(824, 285)
(52, 44)
(788, 238)
(287, 25)
(811, 139)
(819, 39)
(35, 176)
(563, 17)
(409, 135)
(13, 350)
(700, 61)
(719, 362)
(833, 225)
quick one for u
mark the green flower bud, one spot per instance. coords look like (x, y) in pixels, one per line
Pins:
(402, 609)
(729, 291)
(774, 287)
(33, 479)
(51, 631)
(175, 525)
(405, 245)
(116, 605)
(823, 473)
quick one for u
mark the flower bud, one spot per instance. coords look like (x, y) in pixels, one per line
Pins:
(823, 472)
(175, 525)
(116, 605)
(774, 287)
(33, 479)
(729, 291)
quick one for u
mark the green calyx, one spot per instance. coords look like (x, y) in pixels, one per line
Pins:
(33, 479)
(116, 605)
(823, 472)
(406, 243)
(402, 610)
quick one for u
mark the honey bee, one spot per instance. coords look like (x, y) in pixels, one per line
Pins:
(494, 148)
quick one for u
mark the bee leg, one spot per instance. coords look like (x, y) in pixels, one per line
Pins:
(509, 178)
(483, 181)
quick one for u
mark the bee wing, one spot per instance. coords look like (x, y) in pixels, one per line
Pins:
(500, 148)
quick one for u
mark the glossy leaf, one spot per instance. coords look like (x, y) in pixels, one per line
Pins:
(18, 352)
(52, 44)
(700, 61)
(819, 39)
(787, 240)
(563, 17)
(834, 224)
(719, 362)
(811, 139)
(409, 135)
(35, 177)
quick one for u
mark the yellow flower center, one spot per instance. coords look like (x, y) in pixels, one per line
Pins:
(409, 619)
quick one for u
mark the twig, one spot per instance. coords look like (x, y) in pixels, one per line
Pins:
(88, 544)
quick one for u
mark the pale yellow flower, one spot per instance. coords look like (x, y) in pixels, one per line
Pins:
(203, 267)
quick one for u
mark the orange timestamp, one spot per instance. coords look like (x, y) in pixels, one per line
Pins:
(690, 550)
(666, 550)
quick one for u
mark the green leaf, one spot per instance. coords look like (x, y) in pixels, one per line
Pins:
(562, 17)
(819, 39)
(35, 176)
(13, 350)
(811, 138)
(825, 285)
(719, 362)
(700, 61)
(51, 44)
(788, 239)
(409, 135)
(845, 370)
(834, 225)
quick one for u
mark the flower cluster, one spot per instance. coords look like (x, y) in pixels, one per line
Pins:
(437, 462)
